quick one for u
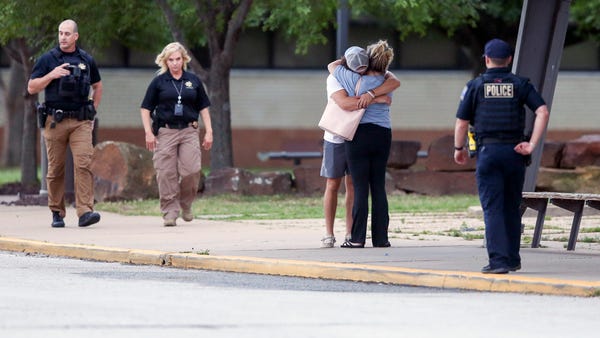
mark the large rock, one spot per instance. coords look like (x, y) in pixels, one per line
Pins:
(581, 180)
(435, 183)
(270, 183)
(552, 154)
(581, 152)
(123, 171)
(440, 156)
(308, 180)
(228, 180)
(243, 182)
(403, 154)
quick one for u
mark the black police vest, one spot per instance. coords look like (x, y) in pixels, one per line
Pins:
(71, 91)
(500, 112)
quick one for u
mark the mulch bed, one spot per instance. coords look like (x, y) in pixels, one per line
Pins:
(27, 195)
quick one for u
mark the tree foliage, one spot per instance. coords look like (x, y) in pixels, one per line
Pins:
(585, 16)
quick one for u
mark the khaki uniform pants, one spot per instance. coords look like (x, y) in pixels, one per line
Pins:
(78, 135)
(177, 162)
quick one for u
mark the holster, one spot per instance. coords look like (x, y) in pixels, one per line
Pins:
(42, 115)
(472, 142)
(88, 112)
(155, 127)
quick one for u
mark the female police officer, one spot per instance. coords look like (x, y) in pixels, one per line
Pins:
(493, 104)
(177, 98)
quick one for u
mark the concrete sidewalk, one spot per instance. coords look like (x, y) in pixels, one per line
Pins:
(291, 248)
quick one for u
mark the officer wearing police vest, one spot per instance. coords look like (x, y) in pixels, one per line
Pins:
(66, 73)
(493, 104)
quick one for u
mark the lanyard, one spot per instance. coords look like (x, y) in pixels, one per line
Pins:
(178, 91)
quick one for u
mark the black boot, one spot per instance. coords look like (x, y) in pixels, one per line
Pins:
(57, 221)
(89, 218)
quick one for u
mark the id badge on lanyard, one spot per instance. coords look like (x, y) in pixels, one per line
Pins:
(178, 109)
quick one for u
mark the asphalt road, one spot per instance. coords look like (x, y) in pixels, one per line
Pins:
(57, 297)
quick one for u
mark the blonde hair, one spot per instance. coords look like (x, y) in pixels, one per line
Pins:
(161, 59)
(380, 56)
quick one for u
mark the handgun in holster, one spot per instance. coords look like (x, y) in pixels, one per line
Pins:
(88, 111)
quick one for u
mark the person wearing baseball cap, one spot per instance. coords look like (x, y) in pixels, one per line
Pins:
(368, 152)
(334, 166)
(493, 103)
(357, 59)
(497, 49)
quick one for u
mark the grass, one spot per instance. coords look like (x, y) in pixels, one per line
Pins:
(10, 175)
(236, 207)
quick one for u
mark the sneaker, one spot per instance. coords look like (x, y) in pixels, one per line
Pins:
(170, 222)
(489, 269)
(327, 242)
(57, 221)
(515, 268)
(187, 215)
(89, 218)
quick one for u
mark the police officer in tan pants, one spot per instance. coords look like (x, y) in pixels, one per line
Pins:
(178, 99)
(66, 73)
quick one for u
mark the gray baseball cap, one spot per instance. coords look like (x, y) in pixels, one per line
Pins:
(356, 58)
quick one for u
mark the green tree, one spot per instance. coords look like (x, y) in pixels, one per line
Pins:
(586, 18)
(218, 24)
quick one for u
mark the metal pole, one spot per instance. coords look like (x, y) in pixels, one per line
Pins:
(539, 48)
(343, 18)
(43, 165)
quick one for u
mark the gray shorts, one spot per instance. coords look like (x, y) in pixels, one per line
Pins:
(334, 163)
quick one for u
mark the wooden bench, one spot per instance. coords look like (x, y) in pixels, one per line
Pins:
(296, 156)
(573, 202)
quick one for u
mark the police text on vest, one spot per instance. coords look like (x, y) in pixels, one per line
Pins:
(498, 90)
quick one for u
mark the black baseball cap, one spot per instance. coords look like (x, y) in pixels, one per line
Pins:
(497, 49)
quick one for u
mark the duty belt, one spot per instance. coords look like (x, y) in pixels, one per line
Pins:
(490, 140)
(73, 114)
(181, 125)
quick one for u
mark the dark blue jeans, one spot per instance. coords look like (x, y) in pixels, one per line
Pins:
(500, 176)
(367, 157)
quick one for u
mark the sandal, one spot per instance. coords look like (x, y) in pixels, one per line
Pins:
(327, 242)
(348, 244)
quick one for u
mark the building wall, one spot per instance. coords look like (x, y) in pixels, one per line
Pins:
(279, 109)
(262, 99)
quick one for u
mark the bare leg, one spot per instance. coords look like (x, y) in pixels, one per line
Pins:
(330, 203)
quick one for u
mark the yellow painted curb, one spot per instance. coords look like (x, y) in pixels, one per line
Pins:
(89, 252)
(390, 275)
(311, 269)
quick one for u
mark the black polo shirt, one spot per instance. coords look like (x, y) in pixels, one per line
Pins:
(162, 94)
